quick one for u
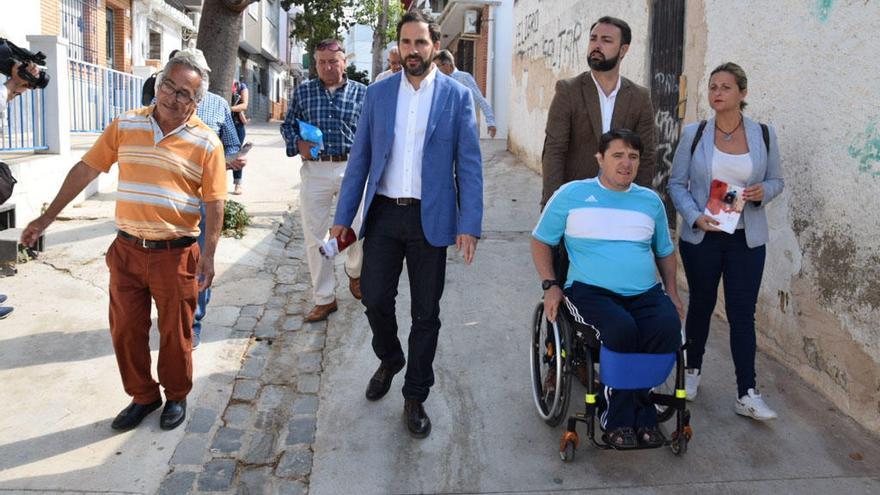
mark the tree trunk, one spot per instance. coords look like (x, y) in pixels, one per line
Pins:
(219, 32)
(379, 39)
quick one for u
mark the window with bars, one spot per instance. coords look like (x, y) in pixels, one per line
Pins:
(109, 38)
(155, 45)
(79, 25)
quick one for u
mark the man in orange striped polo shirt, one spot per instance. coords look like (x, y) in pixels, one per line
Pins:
(169, 160)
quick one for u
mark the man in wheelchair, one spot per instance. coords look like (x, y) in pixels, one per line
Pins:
(615, 234)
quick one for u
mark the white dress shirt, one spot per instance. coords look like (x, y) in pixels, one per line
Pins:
(606, 103)
(403, 175)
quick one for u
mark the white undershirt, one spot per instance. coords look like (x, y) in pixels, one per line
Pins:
(4, 93)
(733, 169)
(606, 103)
(403, 175)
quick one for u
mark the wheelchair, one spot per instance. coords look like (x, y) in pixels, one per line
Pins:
(560, 348)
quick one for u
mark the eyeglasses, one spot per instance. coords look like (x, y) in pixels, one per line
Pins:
(182, 97)
(331, 45)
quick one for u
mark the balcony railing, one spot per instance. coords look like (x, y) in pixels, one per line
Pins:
(25, 126)
(98, 95)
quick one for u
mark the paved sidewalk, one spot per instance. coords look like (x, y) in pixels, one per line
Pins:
(61, 387)
(487, 436)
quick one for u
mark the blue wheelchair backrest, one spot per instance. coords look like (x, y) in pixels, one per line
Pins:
(630, 371)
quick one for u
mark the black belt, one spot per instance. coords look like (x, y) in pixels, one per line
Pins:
(332, 158)
(169, 244)
(399, 201)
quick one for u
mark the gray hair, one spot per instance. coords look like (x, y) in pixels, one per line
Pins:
(192, 61)
(444, 57)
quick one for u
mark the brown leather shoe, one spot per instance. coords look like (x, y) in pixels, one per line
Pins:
(354, 285)
(320, 312)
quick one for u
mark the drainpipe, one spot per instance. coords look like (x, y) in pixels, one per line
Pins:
(490, 62)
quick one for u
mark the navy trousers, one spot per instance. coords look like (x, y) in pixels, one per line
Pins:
(704, 264)
(645, 323)
(394, 233)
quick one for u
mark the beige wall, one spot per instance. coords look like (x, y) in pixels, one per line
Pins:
(813, 74)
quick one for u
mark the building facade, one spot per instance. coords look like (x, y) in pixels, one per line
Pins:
(478, 33)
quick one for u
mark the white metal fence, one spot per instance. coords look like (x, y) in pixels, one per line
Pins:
(98, 95)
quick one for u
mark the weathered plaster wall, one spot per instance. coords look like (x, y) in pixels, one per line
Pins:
(550, 43)
(814, 74)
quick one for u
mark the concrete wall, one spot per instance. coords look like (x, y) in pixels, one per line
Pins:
(813, 75)
(498, 93)
(550, 43)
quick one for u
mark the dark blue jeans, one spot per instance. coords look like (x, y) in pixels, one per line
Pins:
(239, 129)
(394, 233)
(205, 295)
(704, 264)
(645, 323)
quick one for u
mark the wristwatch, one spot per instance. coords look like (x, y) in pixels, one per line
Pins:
(546, 284)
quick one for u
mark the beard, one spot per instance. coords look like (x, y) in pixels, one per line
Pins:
(603, 65)
(421, 68)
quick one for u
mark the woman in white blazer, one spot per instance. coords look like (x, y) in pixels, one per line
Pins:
(734, 149)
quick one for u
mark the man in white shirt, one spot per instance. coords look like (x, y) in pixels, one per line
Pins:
(591, 104)
(446, 63)
(12, 87)
(394, 65)
(422, 170)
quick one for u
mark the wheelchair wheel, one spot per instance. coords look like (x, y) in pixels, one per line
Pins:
(551, 374)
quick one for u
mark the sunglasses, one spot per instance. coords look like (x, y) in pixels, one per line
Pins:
(331, 45)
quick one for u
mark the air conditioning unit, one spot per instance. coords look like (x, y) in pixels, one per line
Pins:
(471, 22)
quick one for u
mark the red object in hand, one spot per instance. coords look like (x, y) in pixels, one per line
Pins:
(336, 245)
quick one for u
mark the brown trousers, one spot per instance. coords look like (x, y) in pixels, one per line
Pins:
(168, 276)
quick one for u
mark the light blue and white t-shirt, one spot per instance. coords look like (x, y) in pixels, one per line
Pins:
(612, 237)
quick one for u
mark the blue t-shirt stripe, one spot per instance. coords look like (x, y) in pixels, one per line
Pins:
(612, 237)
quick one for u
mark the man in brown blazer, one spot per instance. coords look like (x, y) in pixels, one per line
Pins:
(592, 103)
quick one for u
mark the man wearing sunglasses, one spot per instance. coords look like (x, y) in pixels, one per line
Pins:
(169, 162)
(333, 104)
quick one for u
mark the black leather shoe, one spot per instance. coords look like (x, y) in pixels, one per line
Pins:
(417, 421)
(132, 415)
(380, 383)
(173, 414)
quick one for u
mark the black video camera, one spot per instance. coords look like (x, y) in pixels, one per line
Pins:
(10, 54)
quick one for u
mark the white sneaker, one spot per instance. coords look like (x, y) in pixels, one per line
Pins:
(753, 406)
(691, 382)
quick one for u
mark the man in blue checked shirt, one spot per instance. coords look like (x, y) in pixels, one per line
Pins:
(214, 111)
(446, 63)
(333, 104)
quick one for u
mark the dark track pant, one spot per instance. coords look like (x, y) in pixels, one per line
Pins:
(646, 323)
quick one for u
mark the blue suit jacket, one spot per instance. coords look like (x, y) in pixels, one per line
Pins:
(452, 170)
(691, 178)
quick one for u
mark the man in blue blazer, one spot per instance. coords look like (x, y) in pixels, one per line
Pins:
(417, 153)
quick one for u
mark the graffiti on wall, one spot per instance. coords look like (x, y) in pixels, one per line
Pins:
(527, 44)
(865, 148)
(559, 48)
(823, 9)
(668, 126)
